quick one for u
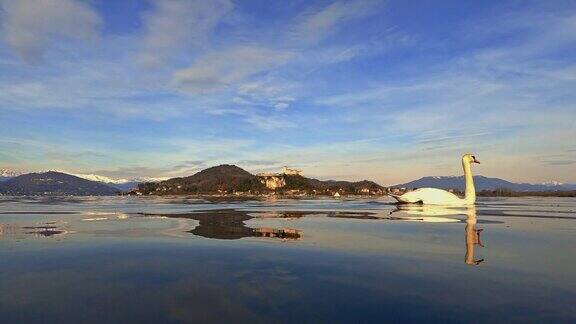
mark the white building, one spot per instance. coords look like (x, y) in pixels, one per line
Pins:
(288, 171)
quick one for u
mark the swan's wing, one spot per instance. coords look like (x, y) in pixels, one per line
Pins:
(430, 196)
(406, 198)
(434, 196)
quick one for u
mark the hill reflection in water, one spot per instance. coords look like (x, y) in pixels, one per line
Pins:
(230, 224)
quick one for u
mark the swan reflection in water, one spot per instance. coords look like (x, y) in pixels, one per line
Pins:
(472, 236)
(438, 214)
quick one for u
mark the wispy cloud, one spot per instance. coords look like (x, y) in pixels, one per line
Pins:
(566, 157)
(266, 93)
(30, 26)
(269, 123)
(317, 24)
(60, 156)
(173, 26)
(220, 70)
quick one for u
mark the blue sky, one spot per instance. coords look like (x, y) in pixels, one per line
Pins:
(383, 90)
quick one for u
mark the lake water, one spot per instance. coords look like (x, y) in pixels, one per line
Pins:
(124, 259)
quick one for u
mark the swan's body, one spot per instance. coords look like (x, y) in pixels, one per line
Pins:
(434, 196)
(430, 196)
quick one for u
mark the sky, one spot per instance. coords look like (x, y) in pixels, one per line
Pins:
(388, 91)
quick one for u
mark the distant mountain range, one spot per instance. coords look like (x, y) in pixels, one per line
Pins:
(483, 183)
(7, 174)
(53, 183)
(121, 184)
(228, 179)
(118, 183)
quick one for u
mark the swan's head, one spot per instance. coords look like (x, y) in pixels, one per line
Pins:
(469, 158)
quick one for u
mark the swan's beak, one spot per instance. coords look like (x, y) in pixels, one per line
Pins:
(475, 161)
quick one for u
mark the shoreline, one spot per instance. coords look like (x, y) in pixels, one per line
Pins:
(244, 196)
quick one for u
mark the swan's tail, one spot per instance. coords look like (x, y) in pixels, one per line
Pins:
(407, 198)
(398, 198)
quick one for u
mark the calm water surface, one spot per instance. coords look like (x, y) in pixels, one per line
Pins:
(121, 259)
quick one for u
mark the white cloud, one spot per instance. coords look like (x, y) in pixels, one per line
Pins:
(314, 26)
(30, 25)
(218, 71)
(268, 92)
(179, 25)
(539, 32)
(281, 105)
(270, 123)
(250, 71)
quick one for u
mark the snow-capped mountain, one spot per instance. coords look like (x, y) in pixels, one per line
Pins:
(16, 182)
(53, 184)
(108, 180)
(119, 183)
(99, 178)
(6, 174)
(552, 183)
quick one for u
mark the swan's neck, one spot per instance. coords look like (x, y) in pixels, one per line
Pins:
(472, 237)
(470, 193)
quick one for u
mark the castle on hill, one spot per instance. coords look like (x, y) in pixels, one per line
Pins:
(277, 180)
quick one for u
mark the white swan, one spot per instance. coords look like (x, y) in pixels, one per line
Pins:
(434, 196)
